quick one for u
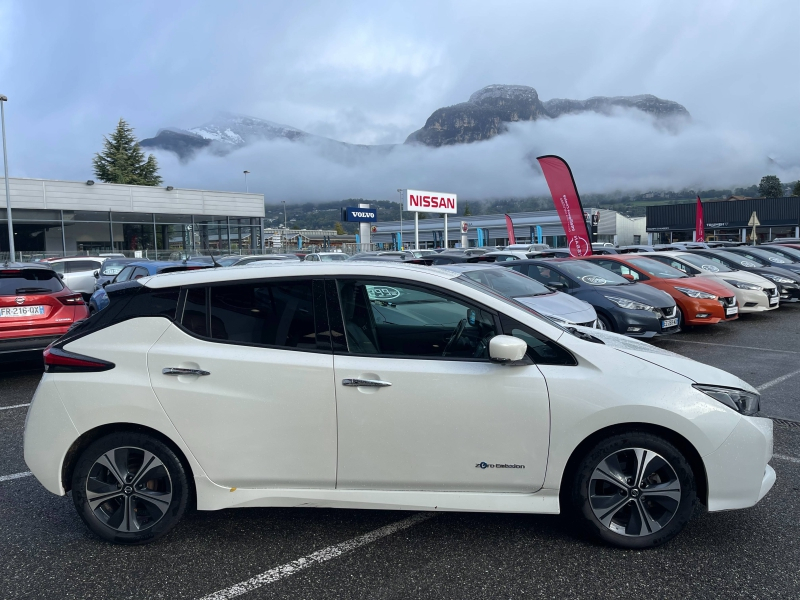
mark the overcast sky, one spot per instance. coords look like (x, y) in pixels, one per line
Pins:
(372, 72)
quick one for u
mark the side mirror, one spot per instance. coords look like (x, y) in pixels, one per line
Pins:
(557, 285)
(60, 276)
(96, 274)
(628, 276)
(507, 349)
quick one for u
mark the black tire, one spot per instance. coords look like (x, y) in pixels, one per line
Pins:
(138, 513)
(606, 323)
(648, 513)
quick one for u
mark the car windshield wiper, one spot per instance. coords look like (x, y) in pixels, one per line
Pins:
(32, 290)
(584, 336)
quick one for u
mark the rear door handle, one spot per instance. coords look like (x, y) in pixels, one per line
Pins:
(181, 371)
(365, 383)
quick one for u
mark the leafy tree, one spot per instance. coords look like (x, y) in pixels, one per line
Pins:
(339, 228)
(467, 211)
(770, 187)
(796, 189)
(122, 160)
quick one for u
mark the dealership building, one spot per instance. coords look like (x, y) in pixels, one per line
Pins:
(529, 227)
(57, 218)
(725, 220)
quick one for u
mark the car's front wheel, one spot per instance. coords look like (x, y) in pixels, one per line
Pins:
(130, 488)
(634, 490)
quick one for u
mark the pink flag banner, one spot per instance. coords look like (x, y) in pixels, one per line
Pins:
(568, 204)
(699, 226)
(510, 227)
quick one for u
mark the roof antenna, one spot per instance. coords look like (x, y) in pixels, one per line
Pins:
(211, 254)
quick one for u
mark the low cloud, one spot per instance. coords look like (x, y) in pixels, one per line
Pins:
(625, 152)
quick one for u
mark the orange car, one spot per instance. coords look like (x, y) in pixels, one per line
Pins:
(701, 302)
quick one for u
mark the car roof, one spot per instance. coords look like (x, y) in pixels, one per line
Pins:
(68, 258)
(24, 265)
(274, 269)
(459, 267)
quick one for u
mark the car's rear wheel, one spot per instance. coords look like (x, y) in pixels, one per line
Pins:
(130, 488)
(634, 490)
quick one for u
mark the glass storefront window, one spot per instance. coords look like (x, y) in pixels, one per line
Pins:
(86, 215)
(212, 237)
(121, 217)
(724, 235)
(34, 214)
(174, 238)
(87, 237)
(183, 219)
(131, 236)
(33, 236)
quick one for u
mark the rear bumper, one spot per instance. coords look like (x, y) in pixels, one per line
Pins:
(28, 344)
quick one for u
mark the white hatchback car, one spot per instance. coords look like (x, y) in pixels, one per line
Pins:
(383, 386)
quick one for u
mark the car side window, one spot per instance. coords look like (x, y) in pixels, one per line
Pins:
(139, 272)
(548, 276)
(390, 319)
(124, 275)
(541, 350)
(276, 313)
(505, 257)
(58, 267)
(619, 268)
(79, 266)
(675, 264)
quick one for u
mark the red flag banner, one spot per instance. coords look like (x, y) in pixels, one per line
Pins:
(510, 227)
(568, 203)
(699, 226)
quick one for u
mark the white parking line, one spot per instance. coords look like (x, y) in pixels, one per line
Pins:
(317, 557)
(15, 406)
(15, 476)
(728, 346)
(776, 381)
(784, 457)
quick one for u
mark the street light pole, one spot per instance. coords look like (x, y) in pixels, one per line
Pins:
(246, 189)
(11, 249)
(400, 245)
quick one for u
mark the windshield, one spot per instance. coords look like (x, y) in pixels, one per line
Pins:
(330, 257)
(584, 271)
(657, 269)
(16, 282)
(792, 253)
(739, 259)
(508, 283)
(773, 257)
(112, 267)
(705, 263)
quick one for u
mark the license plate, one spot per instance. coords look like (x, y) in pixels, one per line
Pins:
(669, 323)
(773, 300)
(21, 311)
(732, 310)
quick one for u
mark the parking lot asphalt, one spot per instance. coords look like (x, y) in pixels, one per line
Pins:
(46, 552)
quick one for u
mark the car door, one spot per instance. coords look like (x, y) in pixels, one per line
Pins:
(420, 405)
(261, 412)
(79, 275)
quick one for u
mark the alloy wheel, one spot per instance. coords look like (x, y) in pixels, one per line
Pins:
(634, 492)
(128, 489)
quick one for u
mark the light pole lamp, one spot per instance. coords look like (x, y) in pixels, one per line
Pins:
(246, 189)
(11, 249)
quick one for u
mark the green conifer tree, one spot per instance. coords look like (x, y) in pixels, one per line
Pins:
(122, 159)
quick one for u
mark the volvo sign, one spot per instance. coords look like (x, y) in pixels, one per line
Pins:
(360, 215)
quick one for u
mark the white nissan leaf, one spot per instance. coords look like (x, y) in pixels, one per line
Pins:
(380, 386)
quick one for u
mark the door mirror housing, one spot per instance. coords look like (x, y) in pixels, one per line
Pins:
(557, 285)
(628, 276)
(60, 276)
(507, 349)
(96, 274)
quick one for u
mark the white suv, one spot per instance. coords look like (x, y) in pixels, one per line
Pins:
(380, 385)
(78, 272)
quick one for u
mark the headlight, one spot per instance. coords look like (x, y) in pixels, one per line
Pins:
(779, 278)
(629, 304)
(696, 293)
(742, 285)
(741, 401)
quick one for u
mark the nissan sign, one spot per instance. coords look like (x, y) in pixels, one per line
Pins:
(435, 202)
(360, 215)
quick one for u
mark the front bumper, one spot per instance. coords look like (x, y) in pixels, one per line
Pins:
(691, 307)
(753, 301)
(738, 472)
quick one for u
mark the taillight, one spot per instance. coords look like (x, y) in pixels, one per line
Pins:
(71, 300)
(57, 360)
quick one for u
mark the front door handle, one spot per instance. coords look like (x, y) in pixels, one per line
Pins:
(181, 371)
(365, 383)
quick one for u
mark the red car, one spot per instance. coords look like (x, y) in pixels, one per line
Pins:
(35, 307)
